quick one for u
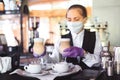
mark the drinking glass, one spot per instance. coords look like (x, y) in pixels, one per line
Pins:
(38, 48)
(64, 43)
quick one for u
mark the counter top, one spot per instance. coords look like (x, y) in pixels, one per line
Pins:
(86, 74)
(81, 75)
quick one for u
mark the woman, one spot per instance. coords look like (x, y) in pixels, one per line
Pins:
(85, 45)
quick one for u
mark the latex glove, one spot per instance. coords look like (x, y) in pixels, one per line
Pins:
(37, 55)
(73, 52)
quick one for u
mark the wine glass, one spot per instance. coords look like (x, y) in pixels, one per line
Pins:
(64, 43)
(38, 48)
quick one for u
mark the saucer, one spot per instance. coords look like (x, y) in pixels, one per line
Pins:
(72, 70)
(54, 72)
(70, 66)
(35, 74)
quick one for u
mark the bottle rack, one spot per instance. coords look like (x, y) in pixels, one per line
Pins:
(17, 16)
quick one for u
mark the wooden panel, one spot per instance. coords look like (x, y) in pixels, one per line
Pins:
(32, 2)
(48, 13)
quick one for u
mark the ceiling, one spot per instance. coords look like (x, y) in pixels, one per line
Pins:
(33, 2)
(53, 7)
(47, 8)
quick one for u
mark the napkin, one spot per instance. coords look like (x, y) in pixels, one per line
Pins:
(46, 76)
(5, 64)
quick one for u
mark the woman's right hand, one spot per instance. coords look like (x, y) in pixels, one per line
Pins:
(73, 52)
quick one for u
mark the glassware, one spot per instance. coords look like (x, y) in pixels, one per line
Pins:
(38, 48)
(64, 43)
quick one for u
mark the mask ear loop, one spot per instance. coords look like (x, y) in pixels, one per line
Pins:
(84, 20)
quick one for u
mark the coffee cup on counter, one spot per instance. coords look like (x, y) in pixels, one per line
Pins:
(33, 68)
(60, 67)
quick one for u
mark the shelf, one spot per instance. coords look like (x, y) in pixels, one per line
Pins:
(10, 16)
(6, 12)
(17, 21)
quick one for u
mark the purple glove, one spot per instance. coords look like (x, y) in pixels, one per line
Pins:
(73, 52)
(37, 55)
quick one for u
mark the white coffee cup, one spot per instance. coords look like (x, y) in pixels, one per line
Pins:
(33, 68)
(61, 67)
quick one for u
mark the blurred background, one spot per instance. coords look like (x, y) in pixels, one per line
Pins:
(46, 19)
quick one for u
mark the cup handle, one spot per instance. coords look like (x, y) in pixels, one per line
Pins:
(25, 67)
(53, 67)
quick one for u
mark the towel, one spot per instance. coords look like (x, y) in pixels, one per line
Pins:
(5, 64)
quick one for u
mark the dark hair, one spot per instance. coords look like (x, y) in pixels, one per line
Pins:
(80, 7)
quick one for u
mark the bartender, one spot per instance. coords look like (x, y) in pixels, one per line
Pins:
(85, 45)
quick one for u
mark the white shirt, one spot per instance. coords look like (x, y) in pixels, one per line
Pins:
(89, 59)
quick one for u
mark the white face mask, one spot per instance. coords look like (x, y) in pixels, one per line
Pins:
(75, 27)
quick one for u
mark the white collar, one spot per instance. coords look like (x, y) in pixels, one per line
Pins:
(74, 35)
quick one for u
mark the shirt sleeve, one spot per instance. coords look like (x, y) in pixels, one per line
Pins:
(94, 59)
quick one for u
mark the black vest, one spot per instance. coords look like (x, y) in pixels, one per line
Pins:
(88, 45)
